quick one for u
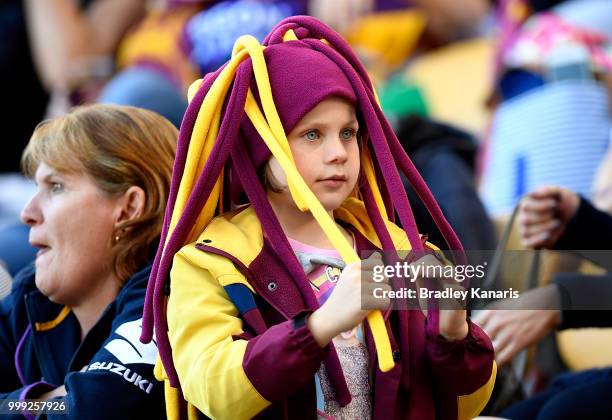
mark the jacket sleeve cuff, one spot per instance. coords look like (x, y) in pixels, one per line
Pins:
(35, 390)
(283, 359)
(470, 360)
(441, 345)
(31, 391)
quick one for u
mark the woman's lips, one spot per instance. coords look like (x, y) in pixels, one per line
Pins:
(42, 250)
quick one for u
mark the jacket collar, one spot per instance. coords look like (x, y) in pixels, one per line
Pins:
(239, 233)
(238, 237)
(56, 333)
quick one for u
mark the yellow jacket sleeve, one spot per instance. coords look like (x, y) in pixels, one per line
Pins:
(202, 321)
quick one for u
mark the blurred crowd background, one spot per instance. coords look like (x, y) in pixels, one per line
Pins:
(491, 99)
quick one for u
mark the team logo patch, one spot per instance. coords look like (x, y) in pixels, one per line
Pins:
(128, 349)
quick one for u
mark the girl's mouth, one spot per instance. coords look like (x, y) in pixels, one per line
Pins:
(333, 182)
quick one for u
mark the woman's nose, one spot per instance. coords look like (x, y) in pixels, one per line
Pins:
(31, 214)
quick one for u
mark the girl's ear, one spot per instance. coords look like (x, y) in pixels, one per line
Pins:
(130, 206)
(275, 178)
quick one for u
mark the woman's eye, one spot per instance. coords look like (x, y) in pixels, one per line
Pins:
(56, 187)
(311, 135)
(347, 134)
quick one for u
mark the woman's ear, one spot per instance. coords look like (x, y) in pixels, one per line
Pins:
(130, 206)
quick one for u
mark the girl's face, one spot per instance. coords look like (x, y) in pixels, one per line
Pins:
(326, 152)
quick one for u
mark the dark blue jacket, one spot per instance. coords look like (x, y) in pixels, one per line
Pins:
(107, 375)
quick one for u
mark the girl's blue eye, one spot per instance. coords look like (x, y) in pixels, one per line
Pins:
(347, 134)
(311, 135)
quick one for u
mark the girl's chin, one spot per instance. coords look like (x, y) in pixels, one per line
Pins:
(331, 203)
(331, 207)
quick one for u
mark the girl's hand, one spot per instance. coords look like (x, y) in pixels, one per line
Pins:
(544, 214)
(453, 322)
(343, 310)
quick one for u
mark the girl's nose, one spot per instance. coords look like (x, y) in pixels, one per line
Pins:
(336, 151)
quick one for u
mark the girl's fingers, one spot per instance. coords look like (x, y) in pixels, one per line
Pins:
(374, 296)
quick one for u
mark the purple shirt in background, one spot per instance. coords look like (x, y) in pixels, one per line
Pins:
(382, 5)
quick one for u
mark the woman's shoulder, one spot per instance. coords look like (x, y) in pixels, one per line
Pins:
(139, 279)
(133, 292)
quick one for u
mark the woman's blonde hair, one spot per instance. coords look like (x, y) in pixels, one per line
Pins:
(117, 147)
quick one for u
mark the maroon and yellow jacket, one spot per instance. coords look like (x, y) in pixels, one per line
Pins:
(241, 347)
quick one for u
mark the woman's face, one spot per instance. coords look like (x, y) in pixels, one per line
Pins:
(325, 148)
(71, 222)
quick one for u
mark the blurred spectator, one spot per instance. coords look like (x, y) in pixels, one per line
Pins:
(211, 34)
(74, 46)
(341, 14)
(559, 218)
(156, 42)
(25, 99)
(450, 20)
(47, 44)
(429, 58)
(445, 157)
(55, 47)
(584, 395)
(72, 321)
(154, 70)
(180, 40)
(552, 124)
(553, 217)
(399, 30)
(68, 41)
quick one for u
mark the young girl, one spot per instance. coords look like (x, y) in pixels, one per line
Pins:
(262, 315)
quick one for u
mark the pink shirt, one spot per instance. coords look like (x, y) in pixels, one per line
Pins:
(323, 268)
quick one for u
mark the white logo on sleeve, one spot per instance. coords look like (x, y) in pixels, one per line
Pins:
(129, 349)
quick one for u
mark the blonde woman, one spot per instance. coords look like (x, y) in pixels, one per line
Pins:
(71, 324)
